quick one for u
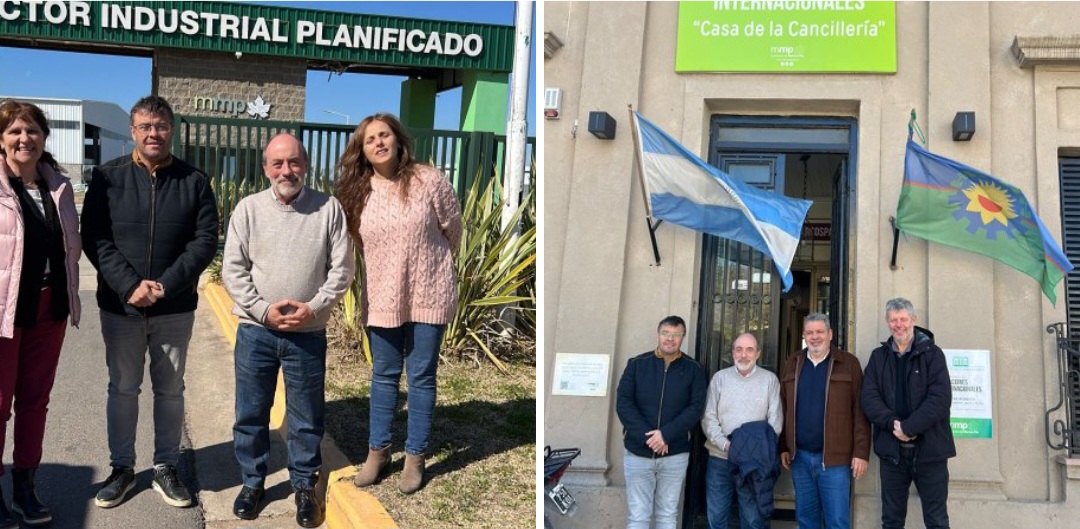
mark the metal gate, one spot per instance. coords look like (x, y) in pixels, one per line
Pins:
(229, 151)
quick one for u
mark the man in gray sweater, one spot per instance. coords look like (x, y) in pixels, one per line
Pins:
(288, 260)
(737, 395)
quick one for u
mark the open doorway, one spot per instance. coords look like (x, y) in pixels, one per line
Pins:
(740, 290)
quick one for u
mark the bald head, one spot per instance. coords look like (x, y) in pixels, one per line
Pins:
(745, 352)
(285, 163)
(284, 139)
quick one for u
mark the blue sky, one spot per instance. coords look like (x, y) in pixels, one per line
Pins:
(123, 80)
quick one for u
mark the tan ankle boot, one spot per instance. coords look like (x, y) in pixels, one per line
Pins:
(412, 477)
(377, 461)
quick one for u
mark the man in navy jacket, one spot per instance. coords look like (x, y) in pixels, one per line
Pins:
(661, 397)
(906, 395)
(149, 227)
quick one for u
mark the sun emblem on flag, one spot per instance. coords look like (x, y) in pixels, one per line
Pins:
(988, 206)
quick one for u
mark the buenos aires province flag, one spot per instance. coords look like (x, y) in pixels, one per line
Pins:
(950, 203)
(682, 189)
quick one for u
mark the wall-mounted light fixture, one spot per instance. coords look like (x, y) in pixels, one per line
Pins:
(602, 125)
(963, 126)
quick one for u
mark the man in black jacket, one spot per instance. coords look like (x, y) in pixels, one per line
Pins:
(149, 227)
(906, 395)
(661, 397)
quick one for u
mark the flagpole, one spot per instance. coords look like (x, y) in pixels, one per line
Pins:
(641, 180)
(895, 242)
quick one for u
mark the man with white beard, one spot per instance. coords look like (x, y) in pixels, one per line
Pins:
(740, 394)
(288, 260)
(826, 438)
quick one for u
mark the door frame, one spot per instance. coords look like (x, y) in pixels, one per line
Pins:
(693, 500)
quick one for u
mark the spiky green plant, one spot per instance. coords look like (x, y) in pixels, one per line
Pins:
(494, 270)
(350, 309)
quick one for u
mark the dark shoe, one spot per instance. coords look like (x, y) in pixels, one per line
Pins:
(6, 520)
(309, 512)
(374, 467)
(412, 477)
(115, 490)
(167, 483)
(24, 499)
(246, 506)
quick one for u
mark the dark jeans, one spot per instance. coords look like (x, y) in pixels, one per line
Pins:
(301, 356)
(932, 482)
(414, 347)
(720, 487)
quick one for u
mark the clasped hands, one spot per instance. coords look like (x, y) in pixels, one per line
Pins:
(899, 432)
(655, 441)
(287, 315)
(146, 293)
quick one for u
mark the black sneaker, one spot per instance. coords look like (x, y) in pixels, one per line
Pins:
(167, 483)
(115, 490)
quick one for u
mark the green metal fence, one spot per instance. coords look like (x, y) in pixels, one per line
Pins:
(230, 152)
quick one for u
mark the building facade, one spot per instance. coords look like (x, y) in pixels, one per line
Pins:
(83, 133)
(837, 138)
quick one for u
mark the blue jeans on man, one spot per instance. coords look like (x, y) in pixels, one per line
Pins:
(413, 347)
(653, 489)
(129, 340)
(301, 357)
(932, 482)
(822, 494)
(720, 485)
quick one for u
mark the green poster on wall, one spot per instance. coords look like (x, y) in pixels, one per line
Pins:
(786, 36)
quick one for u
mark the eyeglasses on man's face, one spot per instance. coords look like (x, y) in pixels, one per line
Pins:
(676, 335)
(147, 127)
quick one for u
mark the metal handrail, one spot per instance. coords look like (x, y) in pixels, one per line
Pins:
(1066, 433)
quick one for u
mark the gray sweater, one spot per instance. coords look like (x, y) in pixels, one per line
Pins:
(734, 400)
(300, 251)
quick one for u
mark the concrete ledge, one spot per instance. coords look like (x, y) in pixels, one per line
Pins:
(346, 506)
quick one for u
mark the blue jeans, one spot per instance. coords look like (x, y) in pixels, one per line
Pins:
(414, 347)
(821, 490)
(720, 485)
(128, 341)
(653, 489)
(301, 356)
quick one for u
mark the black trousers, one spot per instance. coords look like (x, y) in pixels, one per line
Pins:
(932, 482)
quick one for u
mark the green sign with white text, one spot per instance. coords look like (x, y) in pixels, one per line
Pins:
(786, 36)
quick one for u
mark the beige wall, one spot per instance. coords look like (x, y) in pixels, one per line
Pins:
(603, 293)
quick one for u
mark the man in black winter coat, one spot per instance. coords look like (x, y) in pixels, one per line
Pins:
(661, 398)
(906, 395)
(149, 227)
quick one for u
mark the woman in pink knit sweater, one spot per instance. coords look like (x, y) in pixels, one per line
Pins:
(406, 221)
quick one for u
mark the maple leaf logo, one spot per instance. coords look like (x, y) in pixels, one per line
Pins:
(258, 108)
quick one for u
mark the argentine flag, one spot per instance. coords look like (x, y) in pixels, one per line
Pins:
(683, 189)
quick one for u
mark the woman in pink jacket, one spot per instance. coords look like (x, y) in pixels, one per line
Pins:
(39, 291)
(406, 220)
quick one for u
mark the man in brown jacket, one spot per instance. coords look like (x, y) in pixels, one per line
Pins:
(825, 432)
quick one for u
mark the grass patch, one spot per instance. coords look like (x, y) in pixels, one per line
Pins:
(482, 456)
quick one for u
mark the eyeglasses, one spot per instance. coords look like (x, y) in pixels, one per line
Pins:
(667, 334)
(159, 127)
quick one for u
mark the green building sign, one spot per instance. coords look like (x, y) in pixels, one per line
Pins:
(786, 36)
(266, 30)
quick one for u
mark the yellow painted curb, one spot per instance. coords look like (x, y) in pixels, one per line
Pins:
(346, 506)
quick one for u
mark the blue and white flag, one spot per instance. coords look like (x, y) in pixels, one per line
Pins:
(683, 189)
